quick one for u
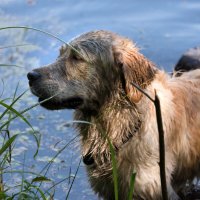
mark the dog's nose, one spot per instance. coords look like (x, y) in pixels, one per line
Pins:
(33, 75)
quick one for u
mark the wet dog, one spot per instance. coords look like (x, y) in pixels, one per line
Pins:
(93, 75)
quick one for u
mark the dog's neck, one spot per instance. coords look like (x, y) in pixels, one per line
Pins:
(118, 121)
(88, 158)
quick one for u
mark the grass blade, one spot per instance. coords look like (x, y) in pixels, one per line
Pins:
(40, 179)
(2, 88)
(25, 110)
(3, 195)
(7, 144)
(48, 165)
(44, 32)
(54, 185)
(40, 191)
(73, 179)
(14, 101)
(14, 46)
(16, 112)
(114, 163)
(10, 65)
(131, 189)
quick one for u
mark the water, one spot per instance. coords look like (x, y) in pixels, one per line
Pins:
(162, 29)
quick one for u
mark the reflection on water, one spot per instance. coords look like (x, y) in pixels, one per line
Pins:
(162, 29)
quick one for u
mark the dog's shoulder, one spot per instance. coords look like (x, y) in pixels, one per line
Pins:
(190, 75)
(189, 79)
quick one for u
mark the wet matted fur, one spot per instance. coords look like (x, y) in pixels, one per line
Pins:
(97, 84)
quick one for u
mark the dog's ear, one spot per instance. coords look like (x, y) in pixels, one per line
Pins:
(134, 68)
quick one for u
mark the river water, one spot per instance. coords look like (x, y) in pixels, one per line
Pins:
(162, 29)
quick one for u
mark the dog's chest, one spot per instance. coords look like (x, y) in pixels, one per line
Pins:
(133, 156)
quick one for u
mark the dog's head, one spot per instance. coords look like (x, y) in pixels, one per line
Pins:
(89, 70)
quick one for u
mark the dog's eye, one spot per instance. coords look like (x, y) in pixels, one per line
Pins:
(77, 57)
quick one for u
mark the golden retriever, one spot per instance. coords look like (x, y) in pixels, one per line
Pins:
(93, 75)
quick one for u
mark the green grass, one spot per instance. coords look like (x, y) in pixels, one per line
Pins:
(27, 189)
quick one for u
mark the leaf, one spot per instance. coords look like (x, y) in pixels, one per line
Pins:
(73, 179)
(41, 193)
(41, 179)
(44, 32)
(132, 181)
(17, 113)
(7, 144)
(29, 186)
(9, 65)
(14, 101)
(14, 46)
(114, 164)
(3, 195)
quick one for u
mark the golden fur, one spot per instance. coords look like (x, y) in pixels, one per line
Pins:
(97, 84)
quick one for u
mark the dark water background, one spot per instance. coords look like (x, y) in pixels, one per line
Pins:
(162, 29)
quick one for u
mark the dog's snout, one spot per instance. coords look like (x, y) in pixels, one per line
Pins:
(33, 76)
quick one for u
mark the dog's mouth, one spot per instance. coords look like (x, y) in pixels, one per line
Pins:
(70, 103)
(73, 103)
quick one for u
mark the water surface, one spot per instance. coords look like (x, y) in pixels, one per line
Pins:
(162, 29)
